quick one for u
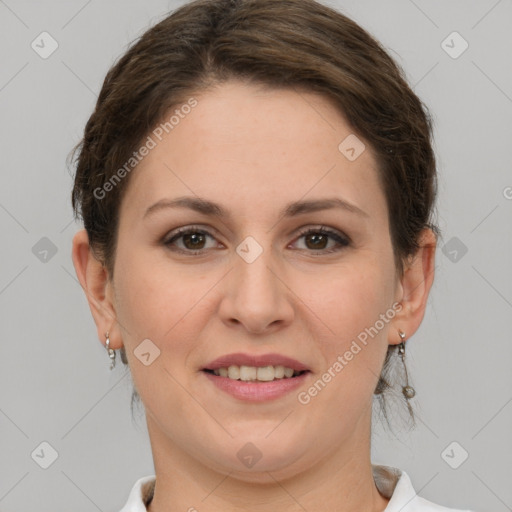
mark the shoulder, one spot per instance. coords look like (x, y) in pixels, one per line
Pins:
(140, 494)
(395, 484)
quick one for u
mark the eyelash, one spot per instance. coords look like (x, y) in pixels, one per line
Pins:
(342, 241)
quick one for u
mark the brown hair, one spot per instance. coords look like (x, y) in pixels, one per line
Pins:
(278, 43)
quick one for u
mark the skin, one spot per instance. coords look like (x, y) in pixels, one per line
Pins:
(294, 299)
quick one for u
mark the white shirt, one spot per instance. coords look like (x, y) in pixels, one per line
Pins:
(391, 482)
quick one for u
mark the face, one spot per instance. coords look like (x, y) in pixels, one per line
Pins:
(263, 280)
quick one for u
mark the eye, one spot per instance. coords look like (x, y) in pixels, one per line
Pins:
(194, 240)
(317, 239)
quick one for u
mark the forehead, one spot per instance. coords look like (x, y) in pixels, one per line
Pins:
(255, 147)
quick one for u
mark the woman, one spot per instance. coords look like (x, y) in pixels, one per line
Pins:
(257, 184)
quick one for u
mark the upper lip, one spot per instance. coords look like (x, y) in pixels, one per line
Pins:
(241, 359)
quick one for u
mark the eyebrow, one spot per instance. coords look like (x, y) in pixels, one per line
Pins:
(293, 209)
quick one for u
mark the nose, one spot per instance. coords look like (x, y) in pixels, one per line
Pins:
(256, 295)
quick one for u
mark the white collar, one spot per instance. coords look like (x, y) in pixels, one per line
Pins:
(391, 482)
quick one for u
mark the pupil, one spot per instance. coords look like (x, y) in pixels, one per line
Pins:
(194, 238)
(317, 238)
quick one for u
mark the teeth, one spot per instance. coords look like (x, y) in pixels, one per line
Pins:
(248, 372)
(288, 372)
(266, 373)
(279, 372)
(234, 372)
(253, 373)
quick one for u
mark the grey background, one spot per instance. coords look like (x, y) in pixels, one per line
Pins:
(55, 383)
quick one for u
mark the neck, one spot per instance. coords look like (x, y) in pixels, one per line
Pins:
(341, 481)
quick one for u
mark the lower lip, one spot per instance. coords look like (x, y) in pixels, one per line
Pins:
(257, 391)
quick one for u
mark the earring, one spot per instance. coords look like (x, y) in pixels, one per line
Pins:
(111, 352)
(408, 391)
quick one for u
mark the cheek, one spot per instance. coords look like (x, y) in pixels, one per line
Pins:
(157, 300)
(147, 298)
(352, 296)
(353, 309)
(153, 302)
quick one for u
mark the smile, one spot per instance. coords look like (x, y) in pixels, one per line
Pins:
(256, 374)
(257, 390)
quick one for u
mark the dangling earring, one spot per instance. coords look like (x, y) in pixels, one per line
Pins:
(111, 352)
(408, 391)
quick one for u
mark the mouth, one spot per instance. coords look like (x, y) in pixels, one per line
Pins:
(267, 373)
(256, 383)
(252, 367)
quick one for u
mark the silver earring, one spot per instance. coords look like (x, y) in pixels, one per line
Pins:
(111, 352)
(408, 391)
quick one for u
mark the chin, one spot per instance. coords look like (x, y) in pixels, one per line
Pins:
(252, 460)
(280, 468)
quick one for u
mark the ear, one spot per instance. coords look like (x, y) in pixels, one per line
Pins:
(414, 288)
(97, 286)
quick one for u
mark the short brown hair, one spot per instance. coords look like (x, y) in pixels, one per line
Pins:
(279, 43)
